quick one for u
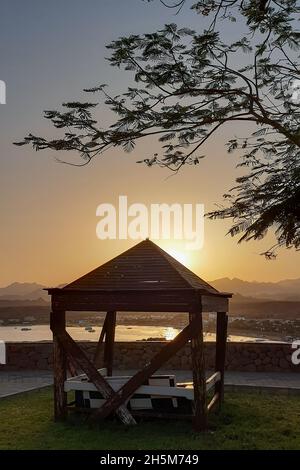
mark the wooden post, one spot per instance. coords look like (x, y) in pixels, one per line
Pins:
(71, 368)
(198, 368)
(98, 355)
(109, 341)
(58, 324)
(221, 340)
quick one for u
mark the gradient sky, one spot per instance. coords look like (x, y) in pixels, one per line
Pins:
(50, 51)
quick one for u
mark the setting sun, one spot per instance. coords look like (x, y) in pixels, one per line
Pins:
(179, 255)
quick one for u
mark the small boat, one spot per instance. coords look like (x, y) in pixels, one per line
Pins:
(25, 329)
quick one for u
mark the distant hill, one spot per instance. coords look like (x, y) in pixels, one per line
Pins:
(7, 303)
(286, 290)
(20, 288)
(246, 292)
(256, 308)
(22, 292)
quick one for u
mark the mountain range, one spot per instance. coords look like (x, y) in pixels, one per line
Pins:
(245, 291)
(286, 290)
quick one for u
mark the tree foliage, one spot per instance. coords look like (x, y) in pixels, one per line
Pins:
(189, 84)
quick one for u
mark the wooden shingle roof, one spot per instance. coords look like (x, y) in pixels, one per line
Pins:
(143, 267)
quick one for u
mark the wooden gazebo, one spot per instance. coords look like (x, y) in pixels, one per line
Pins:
(147, 279)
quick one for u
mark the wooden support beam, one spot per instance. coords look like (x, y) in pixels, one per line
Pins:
(221, 341)
(140, 377)
(109, 341)
(162, 300)
(98, 356)
(93, 374)
(71, 368)
(57, 325)
(213, 402)
(198, 368)
(212, 380)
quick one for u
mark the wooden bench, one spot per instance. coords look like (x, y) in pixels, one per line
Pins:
(159, 393)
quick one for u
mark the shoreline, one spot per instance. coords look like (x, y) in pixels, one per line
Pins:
(127, 333)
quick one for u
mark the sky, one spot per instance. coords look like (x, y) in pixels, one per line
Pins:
(50, 52)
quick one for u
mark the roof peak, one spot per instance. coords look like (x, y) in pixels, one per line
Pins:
(144, 266)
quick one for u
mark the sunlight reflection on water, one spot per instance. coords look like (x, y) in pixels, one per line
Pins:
(170, 333)
(123, 333)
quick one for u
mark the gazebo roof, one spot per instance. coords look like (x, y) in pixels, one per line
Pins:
(143, 278)
(143, 267)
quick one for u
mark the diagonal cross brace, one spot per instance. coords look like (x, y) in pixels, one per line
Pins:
(92, 373)
(118, 398)
(99, 344)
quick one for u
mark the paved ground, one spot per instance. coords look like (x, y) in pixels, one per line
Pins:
(17, 382)
(275, 381)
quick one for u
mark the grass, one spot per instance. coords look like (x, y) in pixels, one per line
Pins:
(248, 421)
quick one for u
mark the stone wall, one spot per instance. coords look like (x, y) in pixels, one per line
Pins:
(260, 357)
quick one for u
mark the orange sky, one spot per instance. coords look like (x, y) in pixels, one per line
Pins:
(48, 210)
(51, 236)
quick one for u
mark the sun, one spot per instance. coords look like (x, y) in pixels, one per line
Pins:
(179, 255)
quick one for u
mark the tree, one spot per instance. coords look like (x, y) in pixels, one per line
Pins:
(188, 86)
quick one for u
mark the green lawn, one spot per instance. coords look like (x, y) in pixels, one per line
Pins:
(248, 421)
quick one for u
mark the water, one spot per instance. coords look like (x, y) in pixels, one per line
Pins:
(123, 333)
